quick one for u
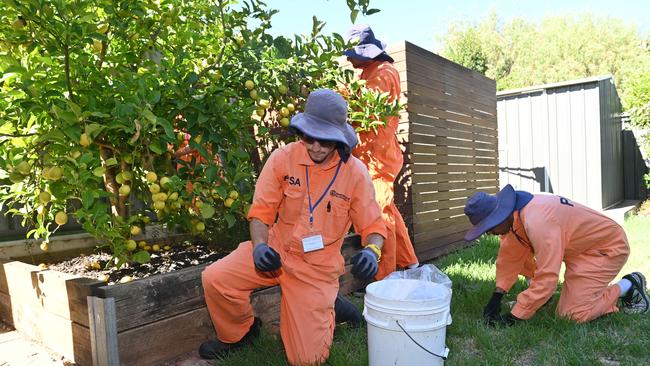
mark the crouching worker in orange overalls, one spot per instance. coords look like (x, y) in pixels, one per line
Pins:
(307, 196)
(553, 229)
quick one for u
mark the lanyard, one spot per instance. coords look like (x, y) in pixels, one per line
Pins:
(312, 208)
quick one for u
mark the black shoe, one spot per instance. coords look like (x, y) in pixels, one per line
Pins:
(346, 311)
(636, 300)
(216, 349)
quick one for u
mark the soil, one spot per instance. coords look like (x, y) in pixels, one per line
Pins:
(181, 255)
(644, 209)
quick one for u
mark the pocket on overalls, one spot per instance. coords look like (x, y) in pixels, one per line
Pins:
(290, 209)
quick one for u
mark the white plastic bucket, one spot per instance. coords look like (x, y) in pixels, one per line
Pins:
(407, 322)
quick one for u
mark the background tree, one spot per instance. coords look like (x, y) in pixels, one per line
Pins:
(521, 53)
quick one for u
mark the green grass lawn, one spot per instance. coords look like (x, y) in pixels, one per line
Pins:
(618, 339)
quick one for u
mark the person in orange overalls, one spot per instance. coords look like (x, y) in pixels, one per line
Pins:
(306, 198)
(552, 229)
(381, 151)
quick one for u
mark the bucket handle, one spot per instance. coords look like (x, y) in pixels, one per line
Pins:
(444, 355)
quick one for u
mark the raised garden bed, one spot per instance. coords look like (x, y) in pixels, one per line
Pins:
(143, 322)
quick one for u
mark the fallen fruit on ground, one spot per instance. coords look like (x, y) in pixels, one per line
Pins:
(131, 245)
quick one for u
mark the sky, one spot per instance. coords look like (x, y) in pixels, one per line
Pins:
(425, 22)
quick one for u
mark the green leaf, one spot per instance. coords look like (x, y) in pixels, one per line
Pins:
(142, 257)
(202, 118)
(353, 15)
(157, 147)
(87, 198)
(169, 130)
(64, 115)
(149, 115)
(207, 211)
(111, 162)
(94, 129)
(230, 219)
(73, 132)
(74, 108)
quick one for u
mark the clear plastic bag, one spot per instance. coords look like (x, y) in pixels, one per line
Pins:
(426, 272)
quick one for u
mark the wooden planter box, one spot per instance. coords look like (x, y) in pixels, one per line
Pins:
(143, 322)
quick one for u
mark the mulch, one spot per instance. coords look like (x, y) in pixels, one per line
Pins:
(181, 255)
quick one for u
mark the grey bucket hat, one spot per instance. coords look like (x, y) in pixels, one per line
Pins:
(325, 118)
(368, 47)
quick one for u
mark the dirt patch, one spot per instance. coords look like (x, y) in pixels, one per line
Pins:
(608, 361)
(178, 256)
(644, 209)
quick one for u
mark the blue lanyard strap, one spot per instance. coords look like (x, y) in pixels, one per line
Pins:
(312, 208)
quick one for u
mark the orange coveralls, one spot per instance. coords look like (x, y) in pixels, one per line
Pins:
(553, 229)
(309, 281)
(383, 156)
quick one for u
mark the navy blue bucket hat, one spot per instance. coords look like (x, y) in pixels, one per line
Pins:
(368, 47)
(486, 211)
(325, 118)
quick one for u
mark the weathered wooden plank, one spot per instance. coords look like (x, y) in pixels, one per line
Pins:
(434, 229)
(459, 115)
(425, 217)
(103, 331)
(438, 196)
(445, 226)
(82, 347)
(417, 72)
(3, 278)
(439, 127)
(447, 68)
(452, 124)
(33, 321)
(433, 96)
(438, 205)
(447, 186)
(447, 141)
(451, 150)
(420, 170)
(160, 341)
(456, 177)
(59, 293)
(428, 130)
(446, 159)
(159, 297)
(6, 309)
(450, 246)
(422, 81)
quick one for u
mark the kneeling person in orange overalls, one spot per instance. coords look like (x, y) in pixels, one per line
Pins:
(307, 196)
(552, 229)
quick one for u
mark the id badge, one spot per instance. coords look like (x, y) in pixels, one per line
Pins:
(312, 241)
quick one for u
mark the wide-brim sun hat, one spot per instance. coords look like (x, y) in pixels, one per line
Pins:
(368, 47)
(325, 118)
(486, 211)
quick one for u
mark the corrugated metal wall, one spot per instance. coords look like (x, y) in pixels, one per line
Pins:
(613, 190)
(564, 139)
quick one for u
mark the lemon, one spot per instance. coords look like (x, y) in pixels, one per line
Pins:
(61, 218)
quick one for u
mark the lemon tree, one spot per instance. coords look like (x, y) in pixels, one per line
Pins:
(119, 113)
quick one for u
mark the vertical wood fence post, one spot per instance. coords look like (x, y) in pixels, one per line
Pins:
(103, 331)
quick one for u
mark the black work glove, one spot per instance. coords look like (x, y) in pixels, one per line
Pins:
(364, 264)
(508, 320)
(492, 310)
(265, 258)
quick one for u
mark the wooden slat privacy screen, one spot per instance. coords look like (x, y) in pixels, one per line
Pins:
(449, 135)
